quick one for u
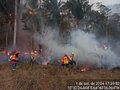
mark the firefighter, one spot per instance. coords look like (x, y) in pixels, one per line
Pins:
(33, 57)
(14, 60)
(72, 56)
(65, 60)
(72, 62)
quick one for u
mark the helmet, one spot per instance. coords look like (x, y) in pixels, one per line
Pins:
(35, 51)
(31, 52)
(72, 53)
(17, 52)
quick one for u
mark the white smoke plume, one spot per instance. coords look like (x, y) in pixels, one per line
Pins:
(84, 45)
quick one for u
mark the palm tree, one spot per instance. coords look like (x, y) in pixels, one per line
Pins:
(32, 18)
(52, 11)
(78, 8)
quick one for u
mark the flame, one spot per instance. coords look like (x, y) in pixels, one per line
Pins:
(32, 12)
(2, 52)
(45, 63)
(26, 53)
(8, 53)
(84, 69)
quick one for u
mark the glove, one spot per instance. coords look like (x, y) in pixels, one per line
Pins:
(9, 60)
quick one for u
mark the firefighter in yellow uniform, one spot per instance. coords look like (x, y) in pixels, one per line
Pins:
(65, 61)
(72, 56)
(72, 62)
(34, 57)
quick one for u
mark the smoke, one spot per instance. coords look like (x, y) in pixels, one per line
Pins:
(92, 51)
(86, 47)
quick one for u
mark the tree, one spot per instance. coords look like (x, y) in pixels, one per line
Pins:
(32, 18)
(7, 18)
(78, 8)
(52, 11)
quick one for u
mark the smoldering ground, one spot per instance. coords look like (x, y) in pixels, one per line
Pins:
(86, 47)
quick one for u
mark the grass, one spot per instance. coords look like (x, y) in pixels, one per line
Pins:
(50, 77)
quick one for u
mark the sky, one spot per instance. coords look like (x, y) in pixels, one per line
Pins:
(106, 2)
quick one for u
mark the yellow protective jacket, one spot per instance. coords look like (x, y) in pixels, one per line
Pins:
(33, 56)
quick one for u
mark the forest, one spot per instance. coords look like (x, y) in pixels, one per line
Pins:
(36, 15)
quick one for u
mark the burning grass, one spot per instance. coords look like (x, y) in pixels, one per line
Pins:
(48, 77)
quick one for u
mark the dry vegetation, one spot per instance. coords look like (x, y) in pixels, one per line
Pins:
(50, 77)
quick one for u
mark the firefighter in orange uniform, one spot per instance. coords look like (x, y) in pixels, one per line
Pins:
(65, 61)
(14, 60)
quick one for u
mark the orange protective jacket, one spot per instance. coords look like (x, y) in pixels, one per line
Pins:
(65, 60)
(14, 59)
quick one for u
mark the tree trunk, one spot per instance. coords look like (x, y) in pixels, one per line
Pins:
(7, 34)
(32, 43)
(15, 25)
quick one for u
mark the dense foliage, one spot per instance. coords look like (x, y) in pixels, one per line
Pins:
(39, 14)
